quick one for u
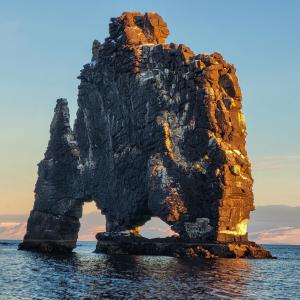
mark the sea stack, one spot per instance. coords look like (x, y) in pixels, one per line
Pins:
(159, 132)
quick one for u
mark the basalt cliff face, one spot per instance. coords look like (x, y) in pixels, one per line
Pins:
(159, 132)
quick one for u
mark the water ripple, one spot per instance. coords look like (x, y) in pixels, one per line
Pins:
(85, 275)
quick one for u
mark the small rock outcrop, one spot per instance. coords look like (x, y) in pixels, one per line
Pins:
(177, 247)
(159, 132)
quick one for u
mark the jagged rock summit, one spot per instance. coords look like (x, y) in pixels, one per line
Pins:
(138, 29)
(159, 132)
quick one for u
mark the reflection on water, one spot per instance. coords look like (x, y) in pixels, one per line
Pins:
(85, 275)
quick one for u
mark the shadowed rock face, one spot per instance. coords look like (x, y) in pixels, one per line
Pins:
(159, 132)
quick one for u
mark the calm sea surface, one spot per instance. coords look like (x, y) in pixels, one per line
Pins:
(85, 275)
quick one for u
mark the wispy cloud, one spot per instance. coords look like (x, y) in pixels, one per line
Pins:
(284, 235)
(273, 224)
(157, 231)
(12, 230)
(90, 233)
(276, 162)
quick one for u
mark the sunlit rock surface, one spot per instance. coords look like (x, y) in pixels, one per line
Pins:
(159, 132)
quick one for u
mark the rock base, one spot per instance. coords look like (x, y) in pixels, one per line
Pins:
(61, 247)
(176, 247)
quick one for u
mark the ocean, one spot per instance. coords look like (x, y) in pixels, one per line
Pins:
(86, 275)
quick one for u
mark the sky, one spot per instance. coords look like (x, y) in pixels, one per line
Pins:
(44, 44)
(271, 224)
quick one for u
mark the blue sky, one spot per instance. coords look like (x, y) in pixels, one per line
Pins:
(44, 45)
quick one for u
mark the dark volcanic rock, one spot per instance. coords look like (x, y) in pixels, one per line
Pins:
(173, 246)
(159, 132)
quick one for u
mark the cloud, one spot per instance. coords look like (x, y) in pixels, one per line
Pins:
(272, 224)
(12, 230)
(283, 236)
(90, 233)
(276, 162)
(13, 218)
(274, 216)
(157, 231)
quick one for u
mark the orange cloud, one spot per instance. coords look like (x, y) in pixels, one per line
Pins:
(12, 230)
(90, 233)
(283, 235)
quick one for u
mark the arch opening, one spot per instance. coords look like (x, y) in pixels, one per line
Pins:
(91, 222)
(156, 228)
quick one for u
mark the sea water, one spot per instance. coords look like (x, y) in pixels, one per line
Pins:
(87, 275)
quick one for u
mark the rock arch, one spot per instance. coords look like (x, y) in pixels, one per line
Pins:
(159, 132)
